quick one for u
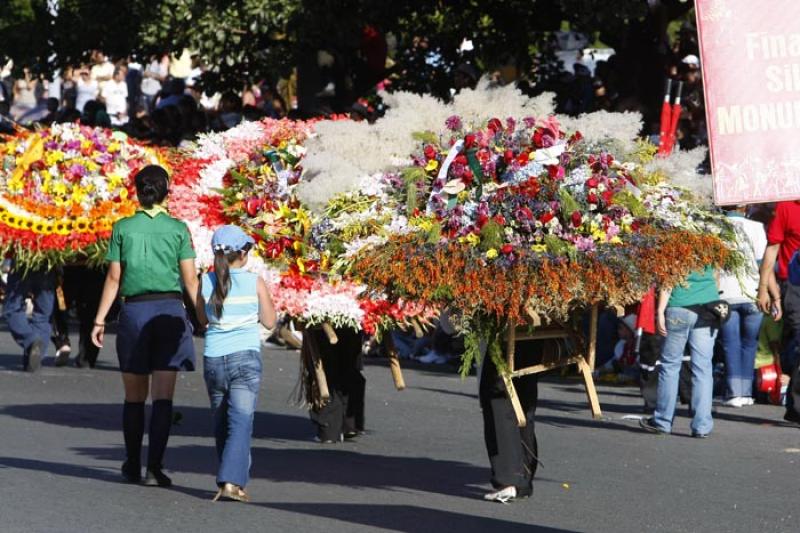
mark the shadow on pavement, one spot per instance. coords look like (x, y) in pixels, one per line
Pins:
(86, 472)
(196, 421)
(409, 518)
(328, 465)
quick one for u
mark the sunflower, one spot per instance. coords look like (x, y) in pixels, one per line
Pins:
(82, 225)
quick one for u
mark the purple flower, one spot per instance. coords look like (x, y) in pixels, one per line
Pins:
(529, 122)
(77, 170)
(511, 125)
(584, 244)
(454, 123)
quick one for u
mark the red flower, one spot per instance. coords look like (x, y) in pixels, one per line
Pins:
(482, 220)
(546, 217)
(607, 195)
(500, 219)
(508, 156)
(577, 219)
(507, 249)
(537, 138)
(429, 151)
(575, 137)
(592, 182)
(522, 158)
(555, 172)
(467, 177)
(495, 125)
(253, 206)
(469, 141)
(592, 198)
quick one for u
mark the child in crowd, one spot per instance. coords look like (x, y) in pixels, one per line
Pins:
(233, 303)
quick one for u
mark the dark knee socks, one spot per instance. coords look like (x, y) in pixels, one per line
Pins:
(133, 429)
(160, 423)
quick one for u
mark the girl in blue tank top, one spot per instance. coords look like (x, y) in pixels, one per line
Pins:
(232, 305)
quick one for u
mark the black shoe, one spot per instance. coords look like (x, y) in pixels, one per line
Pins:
(700, 435)
(648, 424)
(62, 355)
(131, 473)
(32, 359)
(155, 476)
(791, 416)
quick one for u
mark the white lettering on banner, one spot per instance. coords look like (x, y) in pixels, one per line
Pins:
(751, 118)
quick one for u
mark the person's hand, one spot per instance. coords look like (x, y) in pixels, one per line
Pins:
(776, 310)
(661, 323)
(97, 334)
(764, 301)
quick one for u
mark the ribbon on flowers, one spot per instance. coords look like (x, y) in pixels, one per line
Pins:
(451, 156)
(34, 153)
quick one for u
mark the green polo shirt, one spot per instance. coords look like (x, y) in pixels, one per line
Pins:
(700, 288)
(150, 246)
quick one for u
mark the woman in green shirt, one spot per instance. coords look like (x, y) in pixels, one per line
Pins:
(150, 254)
(680, 312)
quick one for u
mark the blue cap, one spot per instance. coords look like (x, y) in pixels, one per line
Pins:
(230, 239)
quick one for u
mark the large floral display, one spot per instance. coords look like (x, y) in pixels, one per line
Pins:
(61, 189)
(515, 221)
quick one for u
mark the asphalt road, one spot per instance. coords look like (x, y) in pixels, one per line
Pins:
(421, 467)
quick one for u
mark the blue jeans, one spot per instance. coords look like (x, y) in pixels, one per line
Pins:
(680, 332)
(739, 341)
(233, 382)
(41, 284)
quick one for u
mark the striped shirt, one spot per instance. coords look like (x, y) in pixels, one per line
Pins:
(238, 329)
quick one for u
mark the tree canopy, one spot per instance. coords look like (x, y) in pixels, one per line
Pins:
(241, 41)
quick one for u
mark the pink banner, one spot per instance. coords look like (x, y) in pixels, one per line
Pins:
(750, 55)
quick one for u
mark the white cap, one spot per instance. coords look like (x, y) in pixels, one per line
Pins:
(692, 60)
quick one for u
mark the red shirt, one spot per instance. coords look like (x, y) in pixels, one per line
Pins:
(785, 230)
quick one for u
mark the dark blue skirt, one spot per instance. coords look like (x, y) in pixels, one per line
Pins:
(154, 335)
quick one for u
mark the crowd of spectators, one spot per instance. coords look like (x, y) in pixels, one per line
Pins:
(156, 100)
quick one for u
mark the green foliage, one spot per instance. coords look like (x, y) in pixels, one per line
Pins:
(414, 179)
(491, 236)
(568, 203)
(434, 234)
(632, 203)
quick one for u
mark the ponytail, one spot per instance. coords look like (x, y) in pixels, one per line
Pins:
(222, 287)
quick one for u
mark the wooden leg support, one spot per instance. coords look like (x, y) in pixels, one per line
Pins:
(591, 392)
(319, 371)
(394, 362)
(512, 395)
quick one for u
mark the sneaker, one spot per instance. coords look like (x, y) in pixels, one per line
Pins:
(649, 424)
(155, 476)
(700, 435)
(748, 401)
(736, 401)
(131, 473)
(62, 355)
(430, 357)
(505, 495)
(791, 416)
(32, 359)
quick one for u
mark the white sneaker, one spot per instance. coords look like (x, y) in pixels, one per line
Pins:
(748, 400)
(431, 357)
(736, 401)
(502, 496)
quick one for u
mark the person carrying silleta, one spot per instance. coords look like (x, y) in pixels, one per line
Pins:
(149, 255)
(33, 334)
(233, 303)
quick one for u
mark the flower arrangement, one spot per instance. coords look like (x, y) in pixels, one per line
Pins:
(61, 190)
(516, 219)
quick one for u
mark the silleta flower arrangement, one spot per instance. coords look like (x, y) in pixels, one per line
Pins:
(517, 219)
(61, 189)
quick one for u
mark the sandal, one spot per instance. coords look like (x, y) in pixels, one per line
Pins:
(232, 492)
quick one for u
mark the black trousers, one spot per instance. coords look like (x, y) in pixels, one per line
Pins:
(513, 451)
(344, 413)
(83, 288)
(791, 320)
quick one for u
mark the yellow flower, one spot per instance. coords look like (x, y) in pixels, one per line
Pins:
(463, 196)
(491, 253)
(54, 157)
(123, 194)
(472, 239)
(539, 248)
(432, 165)
(113, 147)
(615, 240)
